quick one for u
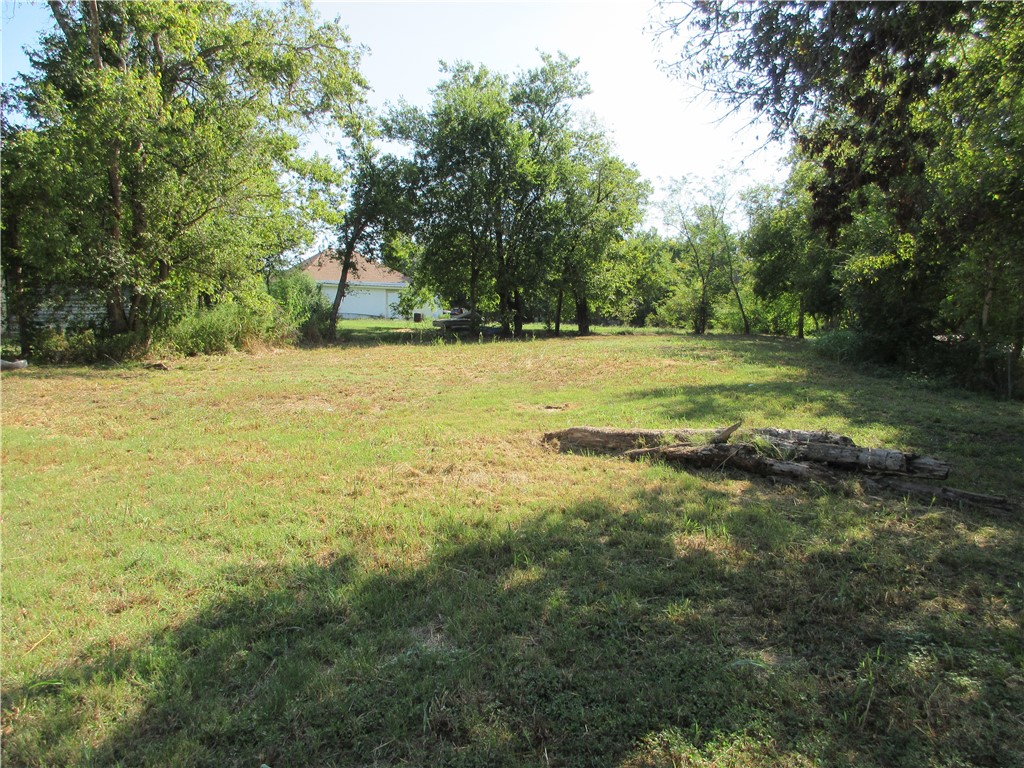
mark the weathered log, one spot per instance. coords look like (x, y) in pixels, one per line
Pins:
(741, 456)
(846, 456)
(803, 456)
(941, 493)
(856, 458)
(618, 441)
(13, 365)
(802, 436)
(926, 466)
(836, 451)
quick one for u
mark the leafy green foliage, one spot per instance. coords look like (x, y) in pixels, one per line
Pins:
(910, 117)
(235, 323)
(518, 205)
(304, 306)
(707, 250)
(159, 159)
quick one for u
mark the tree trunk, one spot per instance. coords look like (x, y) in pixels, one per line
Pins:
(582, 314)
(739, 303)
(518, 312)
(117, 318)
(929, 493)
(700, 320)
(504, 312)
(474, 281)
(800, 320)
(346, 265)
(558, 312)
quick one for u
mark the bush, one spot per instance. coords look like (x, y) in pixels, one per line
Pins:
(843, 345)
(52, 346)
(305, 309)
(83, 347)
(246, 319)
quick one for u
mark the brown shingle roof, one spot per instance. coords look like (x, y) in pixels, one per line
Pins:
(323, 268)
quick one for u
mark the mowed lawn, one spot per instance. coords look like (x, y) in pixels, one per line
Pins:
(363, 556)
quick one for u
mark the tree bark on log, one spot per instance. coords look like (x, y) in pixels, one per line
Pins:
(618, 441)
(942, 493)
(802, 436)
(742, 456)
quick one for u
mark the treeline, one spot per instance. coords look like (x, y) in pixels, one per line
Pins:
(152, 169)
(903, 216)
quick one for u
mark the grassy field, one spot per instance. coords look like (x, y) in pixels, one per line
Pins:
(363, 556)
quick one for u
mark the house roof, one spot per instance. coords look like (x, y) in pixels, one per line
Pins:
(324, 268)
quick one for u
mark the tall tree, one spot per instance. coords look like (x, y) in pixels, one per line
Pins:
(844, 79)
(379, 203)
(911, 111)
(488, 152)
(599, 201)
(171, 133)
(789, 258)
(698, 216)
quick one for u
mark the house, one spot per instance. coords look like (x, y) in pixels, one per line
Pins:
(372, 289)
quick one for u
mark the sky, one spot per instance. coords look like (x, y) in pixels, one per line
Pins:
(660, 124)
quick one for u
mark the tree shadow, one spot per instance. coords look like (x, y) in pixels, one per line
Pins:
(664, 628)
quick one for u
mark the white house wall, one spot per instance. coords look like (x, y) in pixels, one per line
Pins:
(370, 301)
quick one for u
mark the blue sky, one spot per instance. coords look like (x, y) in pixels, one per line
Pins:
(659, 124)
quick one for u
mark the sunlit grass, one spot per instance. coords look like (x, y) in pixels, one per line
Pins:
(364, 555)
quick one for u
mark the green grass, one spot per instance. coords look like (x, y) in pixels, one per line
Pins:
(363, 555)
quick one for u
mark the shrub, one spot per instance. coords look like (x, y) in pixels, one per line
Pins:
(232, 324)
(84, 346)
(53, 346)
(305, 310)
(842, 345)
(207, 331)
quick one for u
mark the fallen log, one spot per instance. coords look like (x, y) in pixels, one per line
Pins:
(618, 441)
(927, 492)
(802, 436)
(13, 365)
(837, 451)
(742, 456)
(792, 455)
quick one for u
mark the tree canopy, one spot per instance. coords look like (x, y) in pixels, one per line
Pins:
(911, 114)
(514, 195)
(158, 155)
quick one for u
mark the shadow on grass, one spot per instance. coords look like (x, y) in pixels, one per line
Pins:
(726, 633)
(364, 334)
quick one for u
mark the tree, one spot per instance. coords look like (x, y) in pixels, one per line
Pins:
(844, 79)
(165, 139)
(379, 202)
(707, 245)
(911, 113)
(789, 258)
(488, 153)
(599, 200)
(635, 278)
